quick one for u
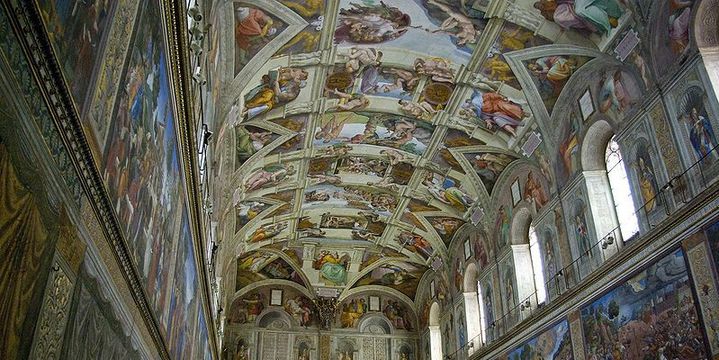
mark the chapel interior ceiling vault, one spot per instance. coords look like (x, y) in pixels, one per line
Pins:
(355, 140)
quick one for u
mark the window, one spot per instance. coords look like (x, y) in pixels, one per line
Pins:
(537, 267)
(621, 192)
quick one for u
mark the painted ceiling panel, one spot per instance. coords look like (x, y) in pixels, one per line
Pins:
(366, 134)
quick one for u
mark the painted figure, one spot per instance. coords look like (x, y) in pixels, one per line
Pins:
(396, 313)
(332, 267)
(371, 24)
(503, 226)
(613, 94)
(496, 110)
(498, 69)
(678, 27)
(250, 142)
(267, 231)
(254, 304)
(360, 58)
(582, 234)
(268, 176)
(569, 148)
(647, 184)
(555, 70)
(438, 69)
(422, 110)
(252, 26)
(481, 253)
(458, 276)
(415, 243)
(595, 16)
(489, 165)
(457, 25)
(300, 309)
(448, 193)
(352, 311)
(534, 191)
(278, 87)
(701, 135)
(350, 102)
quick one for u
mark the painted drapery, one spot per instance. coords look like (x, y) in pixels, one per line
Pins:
(26, 251)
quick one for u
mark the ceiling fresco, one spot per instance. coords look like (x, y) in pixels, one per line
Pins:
(363, 137)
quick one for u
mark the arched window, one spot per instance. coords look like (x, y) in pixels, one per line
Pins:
(621, 191)
(537, 266)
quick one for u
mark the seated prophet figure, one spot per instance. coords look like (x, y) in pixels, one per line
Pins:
(278, 87)
(594, 16)
(496, 110)
(252, 24)
(332, 267)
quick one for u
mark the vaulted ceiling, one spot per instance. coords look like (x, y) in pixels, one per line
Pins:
(357, 139)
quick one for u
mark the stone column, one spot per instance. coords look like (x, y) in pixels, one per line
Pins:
(472, 317)
(699, 259)
(576, 334)
(435, 340)
(604, 214)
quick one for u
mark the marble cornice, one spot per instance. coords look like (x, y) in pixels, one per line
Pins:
(182, 87)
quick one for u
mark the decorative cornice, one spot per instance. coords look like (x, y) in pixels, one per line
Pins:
(180, 70)
(29, 27)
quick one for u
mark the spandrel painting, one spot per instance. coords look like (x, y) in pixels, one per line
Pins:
(445, 227)
(295, 124)
(78, 32)
(254, 29)
(249, 140)
(452, 28)
(258, 266)
(247, 211)
(672, 34)
(652, 315)
(489, 165)
(308, 40)
(141, 160)
(554, 343)
(618, 93)
(247, 308)
(401, 276)
(551, 73)
(511, 38)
